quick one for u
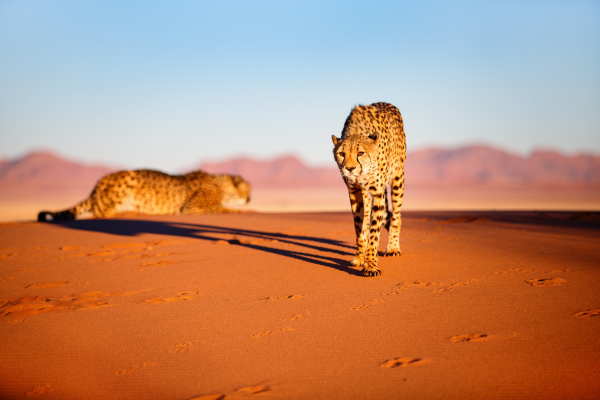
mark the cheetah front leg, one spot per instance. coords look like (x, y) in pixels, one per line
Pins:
(206, 201)
(357, 204)
(379, 210)
(393, 247)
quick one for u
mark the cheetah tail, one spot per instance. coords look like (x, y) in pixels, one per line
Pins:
(66, 215)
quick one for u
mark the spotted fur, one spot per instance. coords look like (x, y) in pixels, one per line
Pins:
(153, 192)
(370, 155)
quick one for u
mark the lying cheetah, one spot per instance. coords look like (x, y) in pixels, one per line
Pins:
(370, 155)
(153, 192)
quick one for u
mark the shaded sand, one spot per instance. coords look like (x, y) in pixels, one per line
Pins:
(481, 305)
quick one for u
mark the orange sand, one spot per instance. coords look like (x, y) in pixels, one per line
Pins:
(264, 306)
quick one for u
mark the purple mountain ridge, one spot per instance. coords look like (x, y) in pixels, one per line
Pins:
(473, 165)
(469, 166)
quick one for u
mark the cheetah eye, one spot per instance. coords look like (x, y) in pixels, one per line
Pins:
(360, 153)
(342, 154)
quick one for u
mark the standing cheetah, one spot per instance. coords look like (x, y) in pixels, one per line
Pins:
(153, 192)
(370, 155)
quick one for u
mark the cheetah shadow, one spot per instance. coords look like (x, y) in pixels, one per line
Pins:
(130, 227)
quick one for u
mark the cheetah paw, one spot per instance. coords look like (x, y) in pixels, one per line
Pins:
(370, 270)
(356, 262)
(392, 253)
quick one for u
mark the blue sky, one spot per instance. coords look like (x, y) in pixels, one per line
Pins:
(168, 84)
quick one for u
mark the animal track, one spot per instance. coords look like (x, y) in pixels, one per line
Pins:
(46, 285)
(419, 284)
(182, 347)
(134, 368)
(28, 269)
(290, 297)
(32, 305)
(396, 290)
(594, 312)
(267, 333)
(516, 270)
(133, 257)
(406, 285)
(180, 296)
(482, 337)
(39, 389)
(400, 287)
(246, 391)
(470, 338)
(368, 304)
(210, 397)
(295, 317)
(119, 251)
(402, 362)
(153, 264)
(546, 282)
(455, 285)
(123, 257)
(94, 254)
(242, 392)
(156, 263)
(521, 270)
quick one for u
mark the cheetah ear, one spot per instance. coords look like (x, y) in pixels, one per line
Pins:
(373, 136)
(335, 140)
(237, 180)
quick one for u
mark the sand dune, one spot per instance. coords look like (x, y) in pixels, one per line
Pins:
(481, 305)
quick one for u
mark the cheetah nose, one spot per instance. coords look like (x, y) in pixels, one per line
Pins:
(350, 169)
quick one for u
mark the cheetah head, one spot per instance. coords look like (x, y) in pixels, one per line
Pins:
(236, 191)
(356, 156)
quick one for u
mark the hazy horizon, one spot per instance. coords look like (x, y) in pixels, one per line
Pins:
(232, 157)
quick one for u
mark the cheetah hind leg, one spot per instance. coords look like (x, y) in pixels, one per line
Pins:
(390, 252)
(394, 222)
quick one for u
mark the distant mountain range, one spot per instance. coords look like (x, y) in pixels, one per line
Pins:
(477, 165)
(46, 169)
(472, 165)
(284, 172)
(469, 166)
